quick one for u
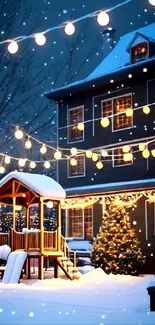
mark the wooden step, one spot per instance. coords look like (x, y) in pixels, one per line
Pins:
(67, 263)
(73, 269)
(64, 258)
(75, 275)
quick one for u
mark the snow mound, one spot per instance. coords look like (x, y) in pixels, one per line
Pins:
(93, 274)
(86, 269)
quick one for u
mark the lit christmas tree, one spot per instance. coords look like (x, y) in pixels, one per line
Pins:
(116, 248)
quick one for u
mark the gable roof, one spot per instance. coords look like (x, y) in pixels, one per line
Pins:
(116, 60)
(137, 35)
(40, 184)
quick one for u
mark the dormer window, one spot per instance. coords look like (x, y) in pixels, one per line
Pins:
(139, 52)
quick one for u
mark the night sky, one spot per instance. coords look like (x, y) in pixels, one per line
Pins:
(33, 70)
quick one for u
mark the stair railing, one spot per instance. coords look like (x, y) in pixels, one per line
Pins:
(67, 251)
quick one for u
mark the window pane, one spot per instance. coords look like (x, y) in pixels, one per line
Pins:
(121, 104)
(77, 170)
(88, 223)
(119, 158)
(139, 52)
(75, 117)
(107, 109)
(75, 227)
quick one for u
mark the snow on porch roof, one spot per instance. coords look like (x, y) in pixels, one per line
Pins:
(41, 184)
(117, 59)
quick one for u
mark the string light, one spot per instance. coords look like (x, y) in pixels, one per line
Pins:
(28, 144)
(49, 204)
(153, 152)
(105, 122)
(104, 153)
(32, 164)
(73, 162)
(103, 18)
(146, 109)
(57, 155)
(152, 2)
(47, 164)
(70, 29)
(88, 153)
(94, 156)
(129, 112)
(7, 160)
(18, 134)
(43, 149)
(146, 153)
(22, 162)
(142, 146)
(127, 157)
(13, 47)
(99, 165)
(40, 39)
(126, 149)
(73, 151)
(2, 170)
(80, 126)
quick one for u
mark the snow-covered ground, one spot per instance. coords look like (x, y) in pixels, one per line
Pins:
(96, 298)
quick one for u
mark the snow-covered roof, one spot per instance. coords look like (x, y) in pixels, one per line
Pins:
(117, 59)
(43, 185)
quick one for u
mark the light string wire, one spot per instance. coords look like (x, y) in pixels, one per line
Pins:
(62, 25)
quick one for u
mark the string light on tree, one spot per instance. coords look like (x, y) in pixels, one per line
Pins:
(7, 160)
(73, 151)
(105, 122)
(18, 134)
(47, 164)
(103, 18)
(70, 29)
(40, 39)
(146, 109)
(13, 47)
(43, 149)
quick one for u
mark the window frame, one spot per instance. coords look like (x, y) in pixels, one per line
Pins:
(83, 223)
(113, 117)
(76, 176)
(68, 123)
(136, 45)
(121, 165)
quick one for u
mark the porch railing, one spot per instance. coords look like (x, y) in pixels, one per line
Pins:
(17, 240)
(67, 251)
(50, 239)
(4, 239)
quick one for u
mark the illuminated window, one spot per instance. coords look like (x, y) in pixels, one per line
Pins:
(80, 223)
(120, 104)
(118, 158)
(107, 109)
(79, 169)
(75, 116)
(139, 52)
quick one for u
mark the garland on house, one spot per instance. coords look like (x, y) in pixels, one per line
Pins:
(116, 248)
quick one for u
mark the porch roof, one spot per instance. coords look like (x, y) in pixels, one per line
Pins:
(42, 185)
(114, 187)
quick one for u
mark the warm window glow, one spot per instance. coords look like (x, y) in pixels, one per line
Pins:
(121, 104)
(119, 157)
(107, 109)
(139, 52)
(75, 116)
(79, 168)
(80, 223)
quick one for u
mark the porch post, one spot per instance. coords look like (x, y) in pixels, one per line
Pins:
(59, 227)
(14, 205)
(27, 216)
(41, 219)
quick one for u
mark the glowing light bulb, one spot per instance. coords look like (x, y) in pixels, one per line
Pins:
(28, 144)
(7, 160)
(43, 149)
(105, 122)
(80, 126)
(127, 157)
(32, 164)
(2, 170)
(13, 47)
(73, 162)
(99, 165)
(21, 162)
(40, 39)
(57, 155)
(69, 29)
(88, 153)
(103, 18)
(152, 2)
(94, 156)
(153, 152)
(134, 222)
(126, 149)
(73, 151)
(129, 112)
(104, 153)
(49, 204)
(18, 134)
(47, 164)
(146, 109)
(142, 146)
(146, 153)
